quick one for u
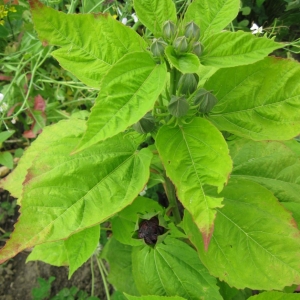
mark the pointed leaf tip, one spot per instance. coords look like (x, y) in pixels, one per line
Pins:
(207, 237)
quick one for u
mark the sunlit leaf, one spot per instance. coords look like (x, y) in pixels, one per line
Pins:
(129, 90)
(91, 43)
(211, 16)
(254, 234)
(66, 193)
(195, 155)
(73, 252)
(51, 135)
(259, 101)
(153, 14)
(185, 63)
(230, 49)
(270, 163)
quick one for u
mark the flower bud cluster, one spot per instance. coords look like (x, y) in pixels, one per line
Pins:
(205, 101)
(171, 35)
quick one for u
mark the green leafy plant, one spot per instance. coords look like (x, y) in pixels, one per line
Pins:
(200, 113)
(44, 289)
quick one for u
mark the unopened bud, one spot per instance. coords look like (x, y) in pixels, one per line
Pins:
(192, 31)
(169, 30)
(187, 84)
(145, 125)
(197, 49)
(158, 47)
(206, 101)
(178, 106)
(181, 44)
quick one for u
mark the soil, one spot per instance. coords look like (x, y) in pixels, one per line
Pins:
(17, 278)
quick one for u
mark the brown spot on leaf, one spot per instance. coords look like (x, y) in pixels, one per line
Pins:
(207, 237)
(45, 43)
(28, 177)
(35, 4)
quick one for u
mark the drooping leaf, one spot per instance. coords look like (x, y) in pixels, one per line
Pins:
(74, 251)
(211, 16)
(129, 297)
(255, 243)
(66, 193)
(91, 43)
(185, 63)
(195, 155)
(153, 14)
(230, 49)
(172, 268)
(269, 163)
(54, 253)
(129, 90)
(259, 101)
(5, 135)
(119, 257)
(51, 135)
(275, 296)
(123, 224)
(6, 159)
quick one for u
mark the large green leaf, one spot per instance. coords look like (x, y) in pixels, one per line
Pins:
(212, 16)
(230, 49)
(269, 163)
(91, 43)
(259, 101)
(51, 135)
(195, 155)
(172, 268)
(123, 224)
(129, 90)
(119, 257)
(66, 193)
(275, 296)
(73, 251)
(153, 14)
(185, 62)
(255, 242)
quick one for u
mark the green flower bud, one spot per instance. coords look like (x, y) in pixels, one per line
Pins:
(181, 44)
(169, 30)
(158, 47)
(187, 84)
(206, 101)
(145, 125)
(192, 31)
(197, 49)
(178, 106)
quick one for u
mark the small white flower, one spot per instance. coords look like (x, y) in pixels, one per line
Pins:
(135, 18)
(124, 21)
(13, 121)
(1, 97)
(143, 192)
(255, 29)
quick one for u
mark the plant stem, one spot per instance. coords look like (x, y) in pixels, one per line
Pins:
(93, 276)
(173, 81)
(171, 194)
(103, 279)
